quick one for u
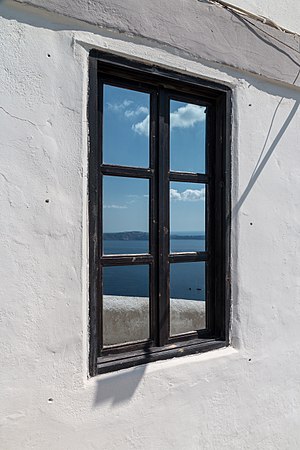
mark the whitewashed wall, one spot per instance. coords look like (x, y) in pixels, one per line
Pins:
(285, 13)
(244, 397)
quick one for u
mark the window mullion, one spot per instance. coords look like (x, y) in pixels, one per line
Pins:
(163, 228)
(210, 219)
(153, 217)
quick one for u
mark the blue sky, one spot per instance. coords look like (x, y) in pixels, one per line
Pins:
(126, 142)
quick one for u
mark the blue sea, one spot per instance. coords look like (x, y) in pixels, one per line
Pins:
(187, 280)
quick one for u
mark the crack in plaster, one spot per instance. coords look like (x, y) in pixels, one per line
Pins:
(16, 117)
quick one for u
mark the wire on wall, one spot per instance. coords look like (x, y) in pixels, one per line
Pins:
(250, 15)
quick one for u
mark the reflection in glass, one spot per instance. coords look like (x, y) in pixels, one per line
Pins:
(187, 137)
(125, 215)
(125, 304)
(187, 297)
(187, 217)
(125, 127)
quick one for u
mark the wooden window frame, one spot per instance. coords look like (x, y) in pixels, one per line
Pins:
(162, 85)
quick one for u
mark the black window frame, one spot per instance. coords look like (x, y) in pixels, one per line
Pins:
(162, 84)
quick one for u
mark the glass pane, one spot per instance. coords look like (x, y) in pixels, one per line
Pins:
(187, 297)
(187, 217)
(125, 127)
(125, 215)
(125, 304)
(187, 137)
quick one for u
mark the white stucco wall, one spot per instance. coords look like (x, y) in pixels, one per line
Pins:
(284, 13)
(244, 397)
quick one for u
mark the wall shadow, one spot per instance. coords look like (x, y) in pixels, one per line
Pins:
(264, 36)
(118, 387)
(40, 17)
(262, 161)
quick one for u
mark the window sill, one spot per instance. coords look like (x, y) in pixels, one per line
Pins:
(113, 363)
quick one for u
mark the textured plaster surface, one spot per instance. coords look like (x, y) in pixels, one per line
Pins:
(197, 28)
(243, 397)
(284, 12)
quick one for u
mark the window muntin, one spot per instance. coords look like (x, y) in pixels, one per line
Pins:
(208, 326)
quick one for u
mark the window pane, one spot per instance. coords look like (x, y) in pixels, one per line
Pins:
(187, 137)
(125, 304)
(187, 297)
(187, 217)
(125, 215)
(125, 127)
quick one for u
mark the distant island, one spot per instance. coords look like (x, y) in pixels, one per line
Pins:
(143, 236)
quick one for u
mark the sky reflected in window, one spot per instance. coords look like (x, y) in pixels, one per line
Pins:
(187, 216)
(126, 142)
(187, 137)
(125, 127)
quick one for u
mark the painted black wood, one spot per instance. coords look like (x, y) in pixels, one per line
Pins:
(162, 85)
(124, 260)
(94, 216)
(122, 171)
(145, 356)
(189, 177)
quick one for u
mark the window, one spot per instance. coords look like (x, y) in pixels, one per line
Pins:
(158, 206)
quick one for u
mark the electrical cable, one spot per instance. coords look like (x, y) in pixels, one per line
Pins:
(247, 14)
(251, 15)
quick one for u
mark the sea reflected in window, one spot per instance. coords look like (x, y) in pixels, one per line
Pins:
(187, 217)
(187, 137)
(125, 127)
(187, 297)
(125, 304)
(125, 215)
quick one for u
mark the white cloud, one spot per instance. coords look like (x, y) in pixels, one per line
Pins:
(184, 117)
(189, 195)
(118, 107)
(115, 206)
(142, 128)
(136, 112)
(175, 195)
(187, 116)
(128, 113)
